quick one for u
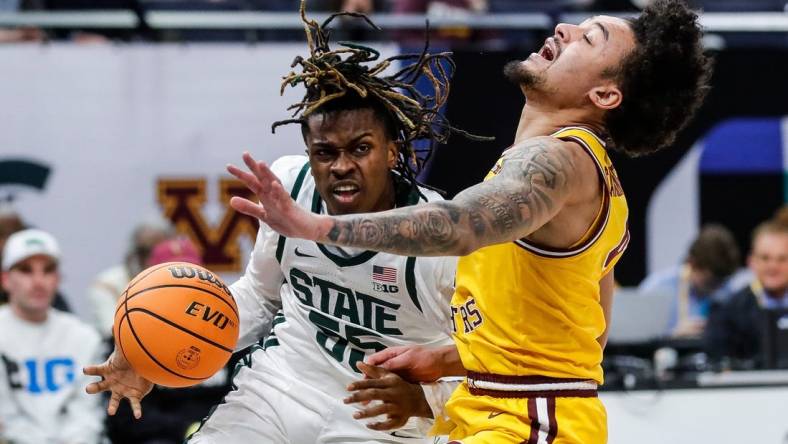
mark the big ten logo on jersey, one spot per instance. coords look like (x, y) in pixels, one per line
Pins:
(348, 322)
(469, 315)
(384, 279)
(183, 203)
(43, 375)
(209, 314)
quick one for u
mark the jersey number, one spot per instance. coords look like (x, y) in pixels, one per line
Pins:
(329, 331)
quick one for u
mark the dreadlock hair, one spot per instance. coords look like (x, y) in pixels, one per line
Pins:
(663, 80)
(342, 79)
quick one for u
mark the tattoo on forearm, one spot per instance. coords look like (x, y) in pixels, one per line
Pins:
(514, 204)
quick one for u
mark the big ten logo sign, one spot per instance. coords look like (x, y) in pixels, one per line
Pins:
(183, 202)
(39, 375)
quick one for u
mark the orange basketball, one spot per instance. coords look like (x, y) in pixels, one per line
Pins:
(176, 324)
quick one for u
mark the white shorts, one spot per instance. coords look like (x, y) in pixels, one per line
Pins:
(271, 405)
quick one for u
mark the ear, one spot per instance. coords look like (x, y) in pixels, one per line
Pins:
(392, 150)
(606, 97)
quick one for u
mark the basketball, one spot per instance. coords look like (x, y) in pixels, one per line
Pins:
(176, 323)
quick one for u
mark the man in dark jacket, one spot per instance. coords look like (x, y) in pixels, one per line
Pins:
(735, 329)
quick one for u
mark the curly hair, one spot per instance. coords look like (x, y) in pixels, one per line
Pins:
(664, 79)
(342, 79)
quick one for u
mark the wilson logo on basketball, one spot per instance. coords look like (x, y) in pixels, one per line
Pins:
(209, 314)
(191, 273)
(182, 202)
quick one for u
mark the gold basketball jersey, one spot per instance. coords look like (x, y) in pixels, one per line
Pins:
(522, 309)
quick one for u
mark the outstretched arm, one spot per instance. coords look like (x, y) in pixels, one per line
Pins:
(536, 179)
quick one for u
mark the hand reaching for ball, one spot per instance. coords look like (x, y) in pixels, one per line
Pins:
(121, 381)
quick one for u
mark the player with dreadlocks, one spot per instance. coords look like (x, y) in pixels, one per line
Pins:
(333, 83)
(321, 310)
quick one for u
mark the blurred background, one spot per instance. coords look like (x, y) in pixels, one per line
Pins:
(118, 117)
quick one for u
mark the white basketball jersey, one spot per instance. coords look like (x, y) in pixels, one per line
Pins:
(339, 305)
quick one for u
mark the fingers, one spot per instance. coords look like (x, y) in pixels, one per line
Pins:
(367, 395)
(260, 170)
(371, 412)
(264, 184)
(249, 179)
(401, 361)
(261, 180)
(371, 370)
(384, 355)
(248, 207)
(364, 384)
(115, 400)
(98, 387)
(94, 370)
(391, 423)
(114, 403)
(136, 407)
(278, 193)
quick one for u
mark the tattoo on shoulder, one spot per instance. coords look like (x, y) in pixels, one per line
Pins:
(515, 203)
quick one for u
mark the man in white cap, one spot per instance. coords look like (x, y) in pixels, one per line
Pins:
(41, 351)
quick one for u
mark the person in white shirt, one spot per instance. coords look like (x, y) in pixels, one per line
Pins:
(108, 285)
(41, 352)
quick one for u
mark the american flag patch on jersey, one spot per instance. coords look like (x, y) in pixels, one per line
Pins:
(384, 274)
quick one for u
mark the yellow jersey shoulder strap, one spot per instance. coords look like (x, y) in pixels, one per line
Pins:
(588, 140)
(595, 147)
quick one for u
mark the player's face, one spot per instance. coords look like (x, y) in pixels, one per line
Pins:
(574, 60)
(769, 261)
(31, 284)
(351, 158)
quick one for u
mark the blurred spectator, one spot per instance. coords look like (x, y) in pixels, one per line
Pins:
(42, 351)
(362, 6)
(781, 215)
(10, 223)
(439, 8)
(705, 276)
(103, 294)
(544, 6)
(179, 249)
(169, 413)
(23, 33)
(735, 327)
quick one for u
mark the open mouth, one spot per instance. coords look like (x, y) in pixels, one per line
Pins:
(345, 192)
(550, 50)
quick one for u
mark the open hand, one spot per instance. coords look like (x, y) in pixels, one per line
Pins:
(276, 208)
(119, 378)
(398, 399)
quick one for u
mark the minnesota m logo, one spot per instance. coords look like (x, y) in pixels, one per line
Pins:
(182, 201)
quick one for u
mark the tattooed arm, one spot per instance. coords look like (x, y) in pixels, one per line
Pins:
(531, 187)
(536, 179)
